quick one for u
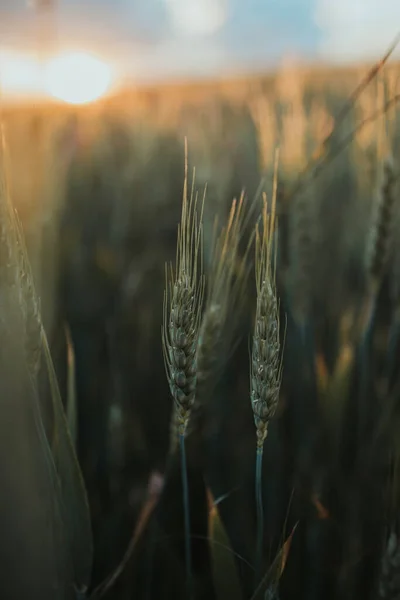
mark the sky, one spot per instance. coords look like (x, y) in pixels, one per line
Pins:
(172, 38)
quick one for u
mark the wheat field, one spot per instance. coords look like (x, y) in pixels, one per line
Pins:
(200, 312)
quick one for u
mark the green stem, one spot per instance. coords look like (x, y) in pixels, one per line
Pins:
(185, 489)
(260, 516)
(365, 418)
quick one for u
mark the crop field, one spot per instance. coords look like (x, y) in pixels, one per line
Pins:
(200, 315)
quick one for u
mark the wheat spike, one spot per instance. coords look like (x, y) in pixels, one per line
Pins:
(225, 297)
(183, 300)
(223, 308)
(380, 238)
(266, 364)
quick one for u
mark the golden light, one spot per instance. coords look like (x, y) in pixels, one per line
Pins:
(19, 74)
(77, 78)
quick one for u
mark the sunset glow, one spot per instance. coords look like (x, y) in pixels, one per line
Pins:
(73, 77)
(19, 74)
(77, 78)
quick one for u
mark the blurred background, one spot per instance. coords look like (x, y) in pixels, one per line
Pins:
(97, 99)
(161, 40)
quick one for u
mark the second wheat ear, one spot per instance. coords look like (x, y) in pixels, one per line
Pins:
(266, 363)
(224, 304)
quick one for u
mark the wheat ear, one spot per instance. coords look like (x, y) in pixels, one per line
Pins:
(226, 296)
(379, 244)
(220, 294)
(394, 333)
(266, 364)
(380, 237)
(377, 256)
(183, 302)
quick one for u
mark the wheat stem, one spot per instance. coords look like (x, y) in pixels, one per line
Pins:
(260, 516)
(266, 362)
(364, 415)
(186, 513)
(183, 303)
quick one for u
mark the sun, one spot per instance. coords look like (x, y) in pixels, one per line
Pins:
(77, 77)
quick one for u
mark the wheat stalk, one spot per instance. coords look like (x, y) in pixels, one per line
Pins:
(58, 453)
(266, 363)
(183, 301)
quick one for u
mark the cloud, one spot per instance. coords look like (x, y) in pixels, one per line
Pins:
(352, 30)
(197, 17)
(160, 38)
(171, 59)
